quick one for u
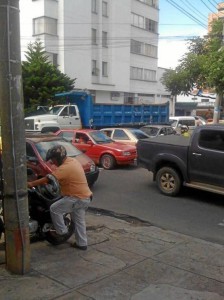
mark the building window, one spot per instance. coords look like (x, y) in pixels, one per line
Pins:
(104, 69)
(104, 39)
(53, 58)
(153, 3)
(94, 36)
(95, 70)
(136, 73)
(137, 21)
(149, 75)
(143, 49)
(44, 25)
(151, 25)
(136, 47)
(104, 9)
(129, 98)
(94, 6)
(143, 74)
(151, 50)
(144, 23)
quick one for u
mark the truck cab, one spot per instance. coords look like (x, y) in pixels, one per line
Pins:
(58, 117)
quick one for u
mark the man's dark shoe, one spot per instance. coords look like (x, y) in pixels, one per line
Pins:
(79, 247)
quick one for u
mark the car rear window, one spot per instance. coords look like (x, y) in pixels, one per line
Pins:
(139, 134)
(152, 131)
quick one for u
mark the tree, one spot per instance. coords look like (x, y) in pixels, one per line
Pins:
(176, 82)
(41, 79)
(202, 66)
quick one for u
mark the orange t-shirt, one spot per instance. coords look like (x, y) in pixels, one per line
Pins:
(72, 179)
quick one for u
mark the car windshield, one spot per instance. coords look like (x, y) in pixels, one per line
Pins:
(43, 147)
(55, 110)
(152, 131)
(139, 134)
(100, 138)
(173, 123)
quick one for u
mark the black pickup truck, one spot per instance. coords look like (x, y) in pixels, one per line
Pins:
(196, 162)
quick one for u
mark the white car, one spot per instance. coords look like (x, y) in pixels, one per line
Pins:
(125, 135)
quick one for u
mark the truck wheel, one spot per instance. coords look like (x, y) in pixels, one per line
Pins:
(107, 161)
(168, 181)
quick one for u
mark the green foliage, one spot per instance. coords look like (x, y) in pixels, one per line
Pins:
(41, 79)
(202, 66)
(176, 81)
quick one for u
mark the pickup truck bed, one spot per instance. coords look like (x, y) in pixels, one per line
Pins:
(161, 147)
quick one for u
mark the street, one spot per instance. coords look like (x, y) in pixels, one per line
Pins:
(131, 191)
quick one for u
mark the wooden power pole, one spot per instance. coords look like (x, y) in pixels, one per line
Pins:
(16, 214)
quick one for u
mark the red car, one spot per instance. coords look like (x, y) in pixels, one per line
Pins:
(37, 146)
(101, 148)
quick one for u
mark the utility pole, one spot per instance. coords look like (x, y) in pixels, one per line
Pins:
(218, 101)
(15, 206)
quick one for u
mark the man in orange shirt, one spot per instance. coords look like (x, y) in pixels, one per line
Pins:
(75, 191)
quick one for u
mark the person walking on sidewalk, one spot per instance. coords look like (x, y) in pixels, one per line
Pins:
(75, 191)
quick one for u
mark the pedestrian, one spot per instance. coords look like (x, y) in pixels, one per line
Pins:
(75, 192)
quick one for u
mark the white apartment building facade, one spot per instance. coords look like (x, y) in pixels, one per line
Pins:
(109, 46)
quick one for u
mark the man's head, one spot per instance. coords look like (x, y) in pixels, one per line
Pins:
(57, 154)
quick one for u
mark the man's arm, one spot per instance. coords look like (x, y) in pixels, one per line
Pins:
(40, 181)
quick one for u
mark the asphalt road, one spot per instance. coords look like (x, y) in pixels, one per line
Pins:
(131, 191)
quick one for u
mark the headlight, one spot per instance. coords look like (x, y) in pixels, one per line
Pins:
(92, 168)
(126, 153)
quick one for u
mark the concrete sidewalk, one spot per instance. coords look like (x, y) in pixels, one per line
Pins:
(124, 260)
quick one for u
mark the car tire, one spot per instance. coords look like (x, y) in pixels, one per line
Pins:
(168, 181)
(107, 161)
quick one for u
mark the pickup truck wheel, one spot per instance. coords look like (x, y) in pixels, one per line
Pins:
(168, 181)
(107, 161)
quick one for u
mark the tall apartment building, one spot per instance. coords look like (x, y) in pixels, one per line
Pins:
(218, 15)
(110, 46)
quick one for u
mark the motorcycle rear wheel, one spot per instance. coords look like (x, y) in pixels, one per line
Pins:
(56, 239)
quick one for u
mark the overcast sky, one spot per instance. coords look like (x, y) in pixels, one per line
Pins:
(180, 20)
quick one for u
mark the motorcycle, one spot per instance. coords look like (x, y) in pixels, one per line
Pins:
(40, 199)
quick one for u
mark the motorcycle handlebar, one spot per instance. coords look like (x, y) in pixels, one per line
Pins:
(35, 190)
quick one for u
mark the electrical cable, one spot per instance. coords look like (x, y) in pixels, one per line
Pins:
(190, 6)
(215, 2)
(186, 13)
(207, 7)
(212, 4)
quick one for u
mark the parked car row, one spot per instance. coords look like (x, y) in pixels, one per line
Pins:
(107, 147)
(100, 148)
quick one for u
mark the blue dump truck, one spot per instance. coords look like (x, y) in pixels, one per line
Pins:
(80, 112)
(97, 115)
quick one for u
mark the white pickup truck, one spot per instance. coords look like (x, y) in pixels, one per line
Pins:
(59, 117)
